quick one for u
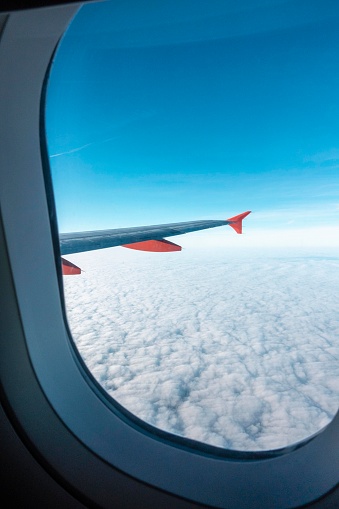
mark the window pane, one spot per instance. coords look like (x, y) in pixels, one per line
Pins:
(181, 111)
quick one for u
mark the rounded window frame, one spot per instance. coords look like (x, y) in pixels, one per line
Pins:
(204, 475)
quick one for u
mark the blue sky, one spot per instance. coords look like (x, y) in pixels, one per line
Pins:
(190, 110)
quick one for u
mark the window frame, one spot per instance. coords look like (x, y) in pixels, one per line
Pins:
(84, 420)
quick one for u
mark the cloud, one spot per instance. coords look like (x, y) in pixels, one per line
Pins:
(241, 353)
(325, 158)
(262, 237)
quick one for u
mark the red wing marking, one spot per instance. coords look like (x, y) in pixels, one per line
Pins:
(236, 221)
(156, 246)
(68, 268)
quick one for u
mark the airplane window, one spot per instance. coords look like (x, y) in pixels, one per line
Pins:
(197, 111)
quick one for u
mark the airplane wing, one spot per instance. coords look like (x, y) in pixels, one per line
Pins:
(143, 238)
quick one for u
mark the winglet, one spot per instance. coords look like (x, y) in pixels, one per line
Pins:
(236, 221)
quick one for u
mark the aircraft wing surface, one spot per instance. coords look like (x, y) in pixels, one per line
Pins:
(144, 238)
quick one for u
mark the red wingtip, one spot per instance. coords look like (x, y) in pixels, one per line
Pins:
(236, 221)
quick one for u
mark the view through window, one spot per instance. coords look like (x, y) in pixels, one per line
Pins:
(181, 111)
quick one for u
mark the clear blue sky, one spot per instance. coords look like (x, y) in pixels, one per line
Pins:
(187, 110)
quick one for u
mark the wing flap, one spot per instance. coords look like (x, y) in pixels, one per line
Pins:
(155, 246)
(68, 268)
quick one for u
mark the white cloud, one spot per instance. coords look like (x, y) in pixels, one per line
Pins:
(238, 352)
(257, 236)
(323, 157)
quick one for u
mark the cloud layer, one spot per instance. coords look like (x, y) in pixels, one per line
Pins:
(237, 352)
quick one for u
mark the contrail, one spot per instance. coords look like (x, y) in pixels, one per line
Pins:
(77, 149)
